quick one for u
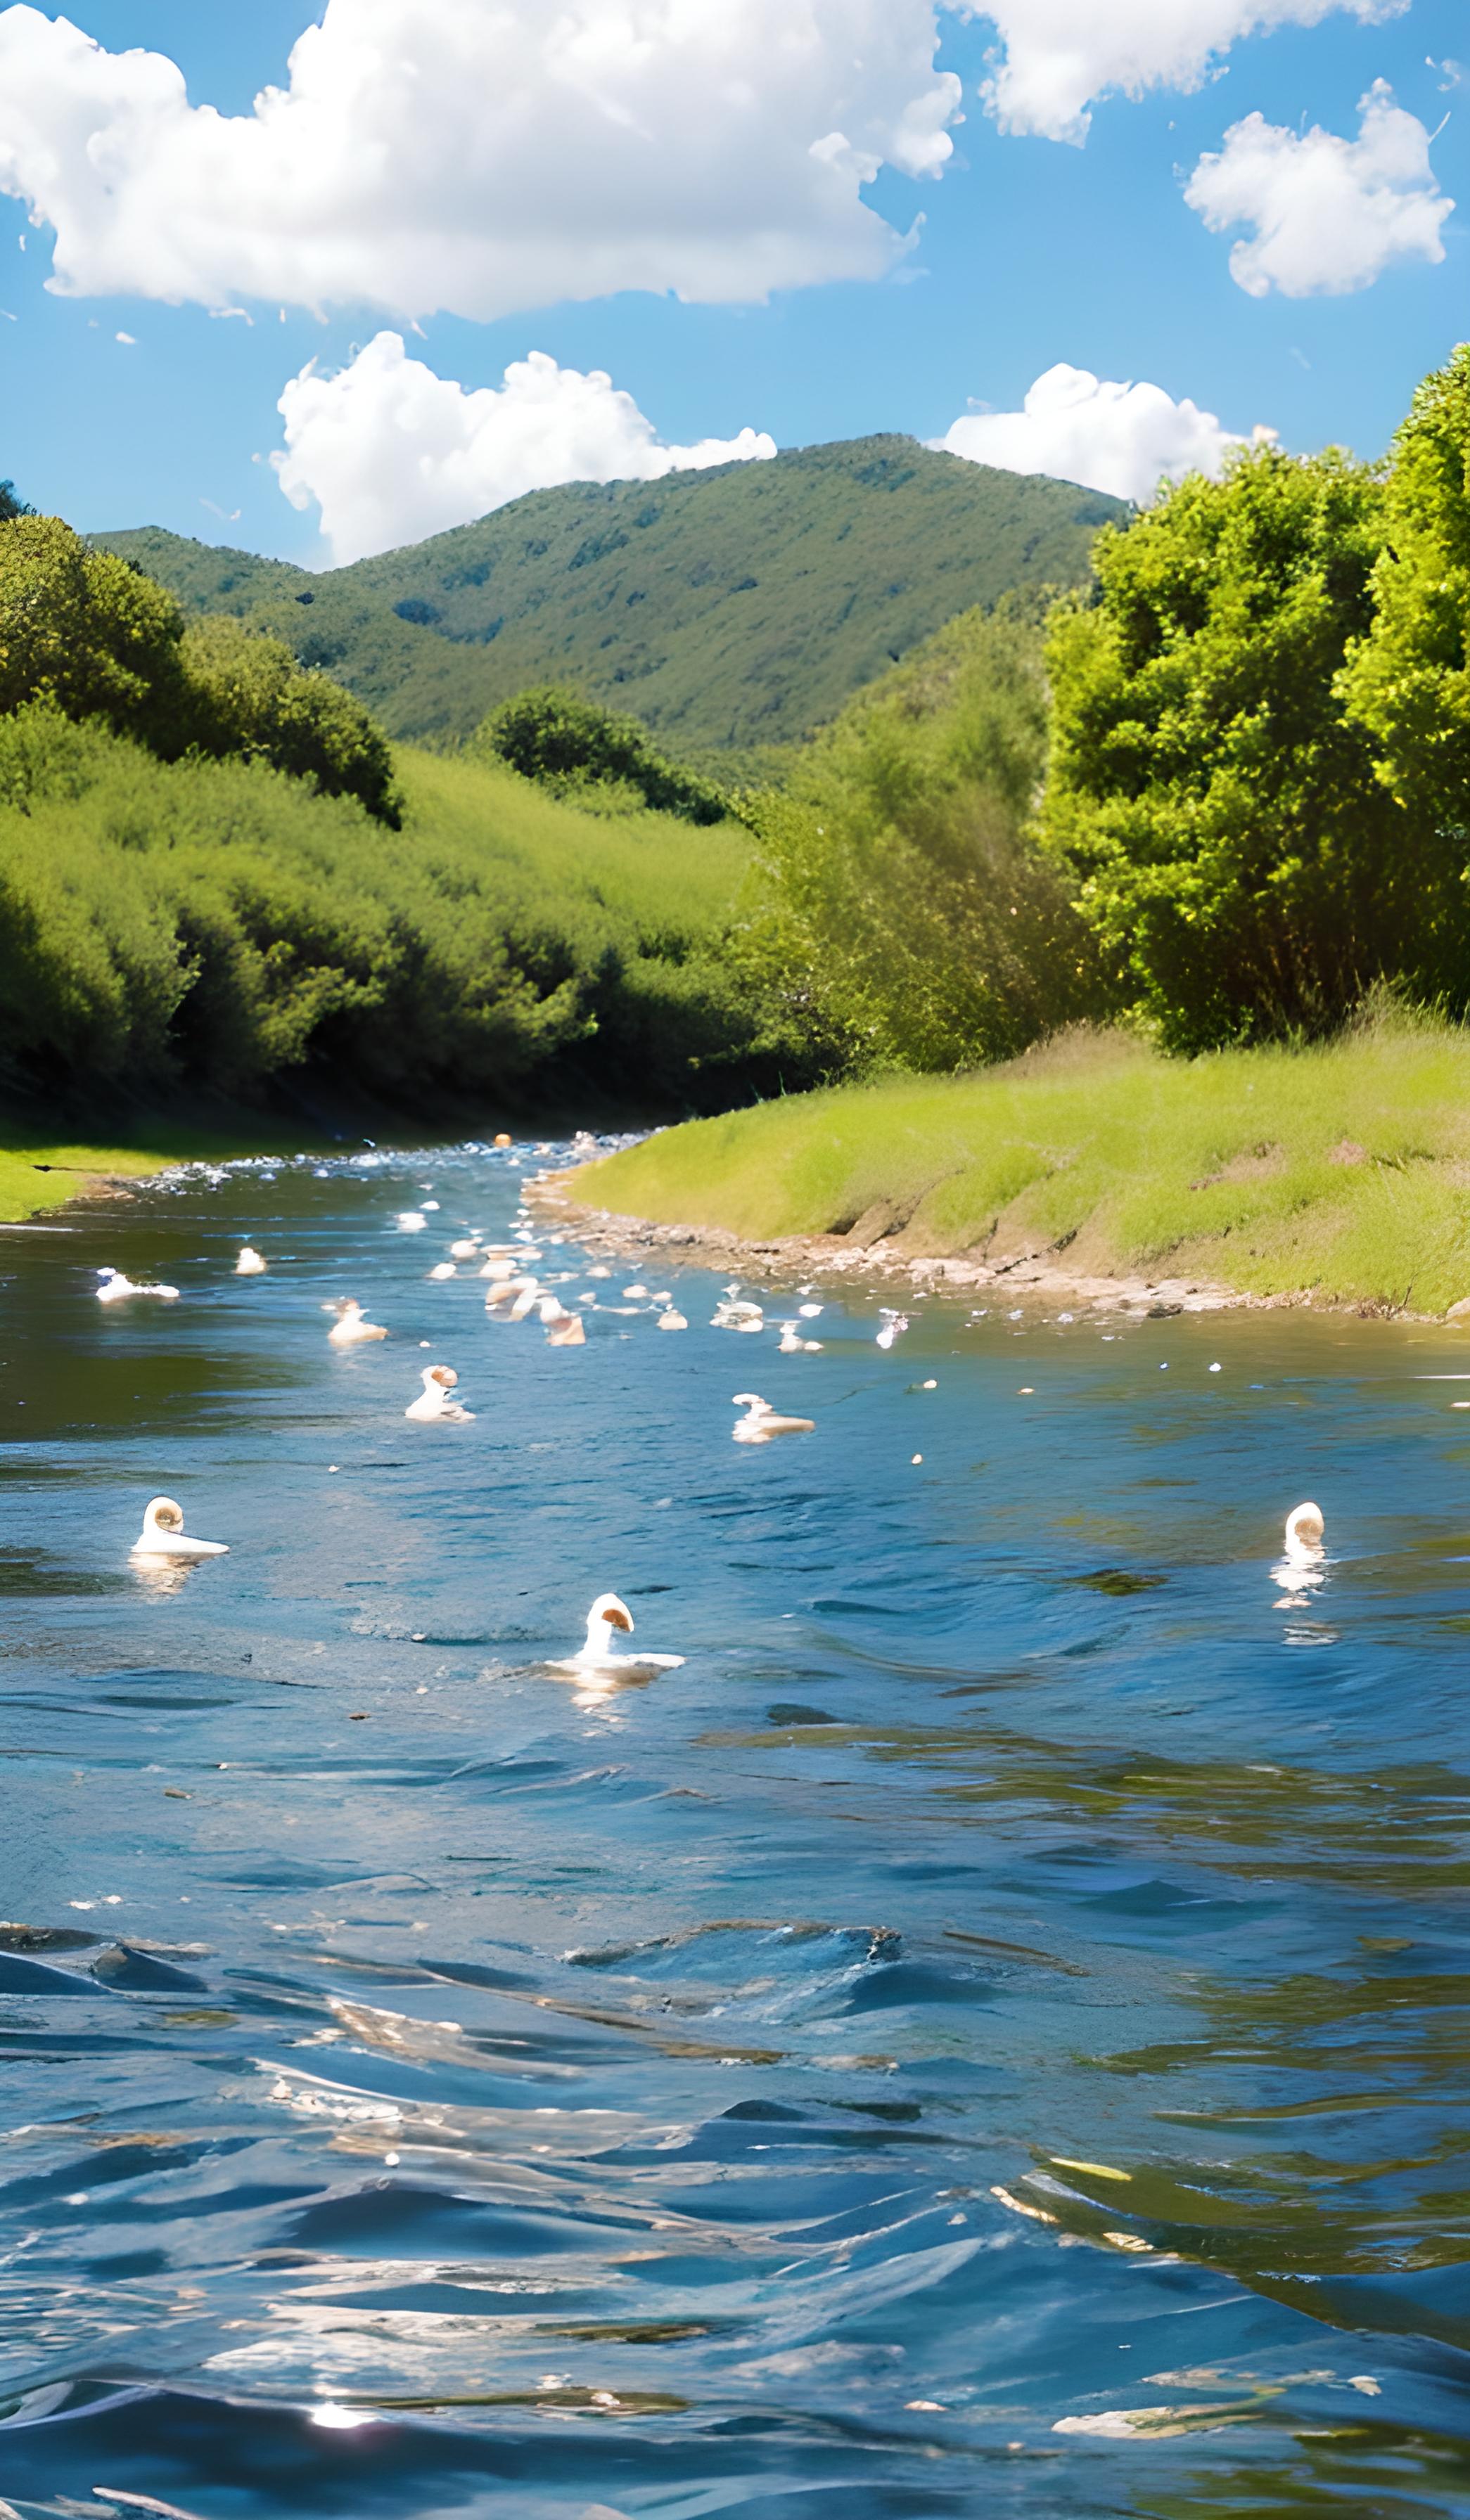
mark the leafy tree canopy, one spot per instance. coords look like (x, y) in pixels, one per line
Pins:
(578, 750)
(1408, 681)
(93, 636)
(1241, 858)
(12, 504)
(251, 698)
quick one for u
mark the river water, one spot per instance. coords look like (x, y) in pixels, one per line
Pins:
(987, 2036)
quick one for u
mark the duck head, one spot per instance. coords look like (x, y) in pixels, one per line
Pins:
(607, 1616)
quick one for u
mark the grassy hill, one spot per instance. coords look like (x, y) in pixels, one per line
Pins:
(729, 608)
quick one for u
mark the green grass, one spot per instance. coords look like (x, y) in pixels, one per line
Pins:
(736, 608)
(36, 1176)
(647, 874)
(1341, 1171)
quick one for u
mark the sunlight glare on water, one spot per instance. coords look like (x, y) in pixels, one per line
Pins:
(987, 2036)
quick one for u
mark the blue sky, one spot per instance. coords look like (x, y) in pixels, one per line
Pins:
(1033, 251)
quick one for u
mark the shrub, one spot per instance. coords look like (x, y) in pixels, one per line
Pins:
(250, 697)
(218, 923)
(911, 920)
(590, 757)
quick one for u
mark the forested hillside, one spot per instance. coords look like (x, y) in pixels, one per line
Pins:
(726, 609)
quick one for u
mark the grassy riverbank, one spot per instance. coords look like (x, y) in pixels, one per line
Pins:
(36, 1176)
(1341, 1171)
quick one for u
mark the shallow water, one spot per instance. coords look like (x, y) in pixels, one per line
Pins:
(987, 2035)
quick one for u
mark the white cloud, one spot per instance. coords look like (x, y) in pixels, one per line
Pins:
(1329, 214)
(1122, 438)
(1059, 57)
(391, 453)
(485, 156)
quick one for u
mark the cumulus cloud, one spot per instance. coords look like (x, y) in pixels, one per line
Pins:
(391, 453)
(1122, 438)
(1329, 214)
(485, 156)
(1057, 56)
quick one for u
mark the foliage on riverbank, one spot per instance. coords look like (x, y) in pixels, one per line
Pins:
(908, 916)
(1232, 800)
(218, 925)
(1338, 1171)
(88, 635)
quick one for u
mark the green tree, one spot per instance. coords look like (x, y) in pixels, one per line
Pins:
(250, 697)
(913, 923)
(12, 504)
(1240, 857)
(1407, 682)
(82, 629)
(588, 755)
(93, 637)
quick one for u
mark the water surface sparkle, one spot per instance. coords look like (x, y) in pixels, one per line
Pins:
(987, 2036)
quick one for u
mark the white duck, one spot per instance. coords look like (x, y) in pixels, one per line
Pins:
(441, 1269)
(434, 1404)
(608, 1617)
(763, 1422)
(351, 1328)
(1304, 1530)
(411, 1220)
(506, 1291)
(116, 1289)
(894, 1326)
(1301, 1570)
(792, 1344)
(567, 1333)
(527, 1300)
(250, 1264)
(743, 1316)
(466, 1249)
(163, 1536)
(672, 1320)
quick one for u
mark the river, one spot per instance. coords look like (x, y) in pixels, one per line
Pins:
(987, 2036)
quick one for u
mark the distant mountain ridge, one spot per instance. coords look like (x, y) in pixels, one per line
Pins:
(727, 609)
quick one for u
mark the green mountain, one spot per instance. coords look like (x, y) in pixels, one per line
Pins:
(728, 608)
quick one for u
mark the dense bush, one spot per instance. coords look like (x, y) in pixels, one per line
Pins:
(94, 637)
(218, 923)
(908, 918)
(1239, 850)
(1408, 681)
(592, 758)
(250, 698)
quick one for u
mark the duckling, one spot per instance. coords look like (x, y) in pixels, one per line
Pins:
(351, 1329)
(116, 1289)
(434, 1404)
(763, 1422)
(609, 1616)
(162, 1535)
